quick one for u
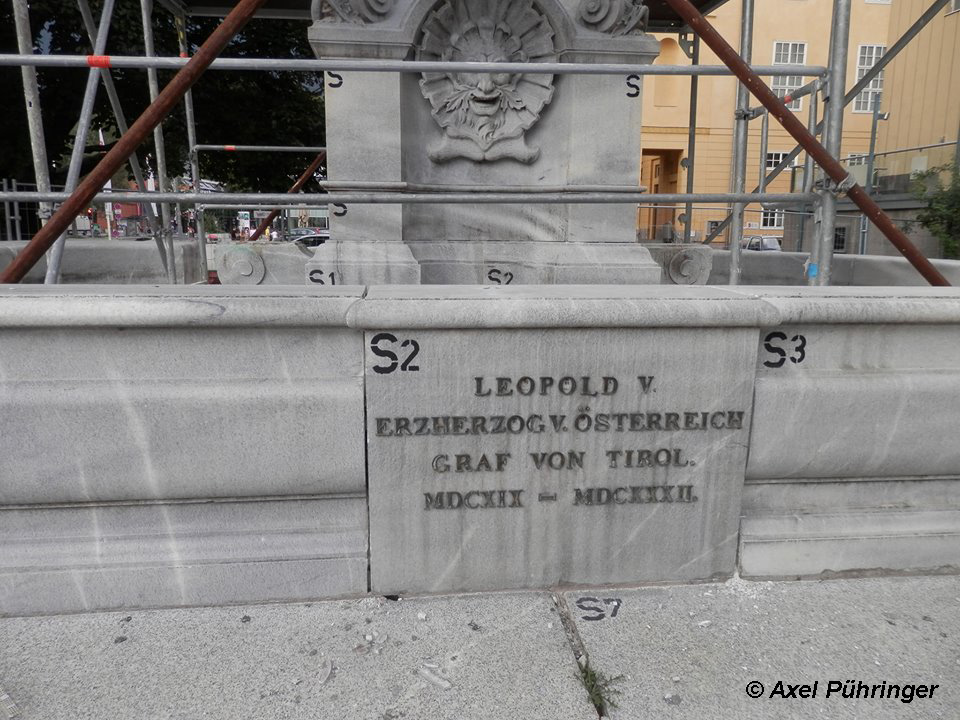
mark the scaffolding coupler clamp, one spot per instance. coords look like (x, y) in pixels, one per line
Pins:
(842, 187)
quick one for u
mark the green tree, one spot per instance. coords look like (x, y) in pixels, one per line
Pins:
(942, 214)
(238, 108)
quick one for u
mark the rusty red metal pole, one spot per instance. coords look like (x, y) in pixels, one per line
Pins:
(128, 143)
(792, 125)
(301, 181)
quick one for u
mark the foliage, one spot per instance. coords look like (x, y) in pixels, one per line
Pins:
(942, 214)
(599, 688)
(237, 108)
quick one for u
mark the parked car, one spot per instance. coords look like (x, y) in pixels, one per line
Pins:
(761, 242)
(309, 237)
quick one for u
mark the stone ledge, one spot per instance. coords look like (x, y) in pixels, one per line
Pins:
(413, 306)
(569, 306)
(173, 306)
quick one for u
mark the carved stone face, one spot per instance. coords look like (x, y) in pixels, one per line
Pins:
(479, 110)
(487, 93)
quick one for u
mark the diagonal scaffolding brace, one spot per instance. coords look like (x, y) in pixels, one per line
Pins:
(301, 181)
(107, 77)
(868, 77)
(80, 140)
(128, 143)
(792, 125)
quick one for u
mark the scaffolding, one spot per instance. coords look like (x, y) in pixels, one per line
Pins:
(818, 196)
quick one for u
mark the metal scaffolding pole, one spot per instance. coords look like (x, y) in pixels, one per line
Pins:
(118, 113)
(6, 211)
(956, 154)
(872, 73)
(31, 95)
(808, 165)
(109, 164)
(16, 214)
(80, 141)
(146, 12)
(479, 195)
(261, 148)
(764, 144)
(692, 141)
(402, 66)
(830, 164)
(181, 21)
(868, 181)
(741, 128)
(819, 272)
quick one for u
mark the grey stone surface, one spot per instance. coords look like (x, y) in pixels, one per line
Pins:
(497, 130)
(95, 557)
(869, 540)
(533, 263)
(359, 261)
(365, 141)
(507, 482)
(866, 478)
(461, 263)
(351, 262)
(682, 264)
(897, 388)
(166, 306)
(260, 263)
(124, 411)
(125, 414)
(502, 655)
(155, 414)
(689, 652)
(132, 262)
(548, 306)
(860, 305)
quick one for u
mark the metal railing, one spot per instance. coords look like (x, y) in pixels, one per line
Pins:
(402, 193)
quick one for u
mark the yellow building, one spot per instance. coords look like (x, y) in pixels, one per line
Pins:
(785, 31)
(922, 96)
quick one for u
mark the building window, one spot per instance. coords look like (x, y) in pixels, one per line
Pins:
(867, 57)
(854, 159)
(772, 219)
(840, 239)
(712, 226)
(774, 159)
(789, 53)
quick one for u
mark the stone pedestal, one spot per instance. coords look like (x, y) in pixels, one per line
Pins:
(533, 263)
(362, 262)
(495, 130)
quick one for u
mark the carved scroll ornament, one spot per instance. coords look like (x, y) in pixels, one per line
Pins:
(614, 17)
(359, 12)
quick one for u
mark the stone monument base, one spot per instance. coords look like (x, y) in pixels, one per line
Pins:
(362, 262)
(534, 263)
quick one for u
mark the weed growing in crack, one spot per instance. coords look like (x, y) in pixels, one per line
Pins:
(599, 688)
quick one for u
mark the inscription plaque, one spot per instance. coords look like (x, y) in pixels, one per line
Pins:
(532, 458)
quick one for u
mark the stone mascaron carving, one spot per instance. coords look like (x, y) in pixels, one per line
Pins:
(615, 17)
(484, 116)
(359, 12)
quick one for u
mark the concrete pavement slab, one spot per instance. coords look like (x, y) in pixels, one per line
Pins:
(497, 655)
(698, 651)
